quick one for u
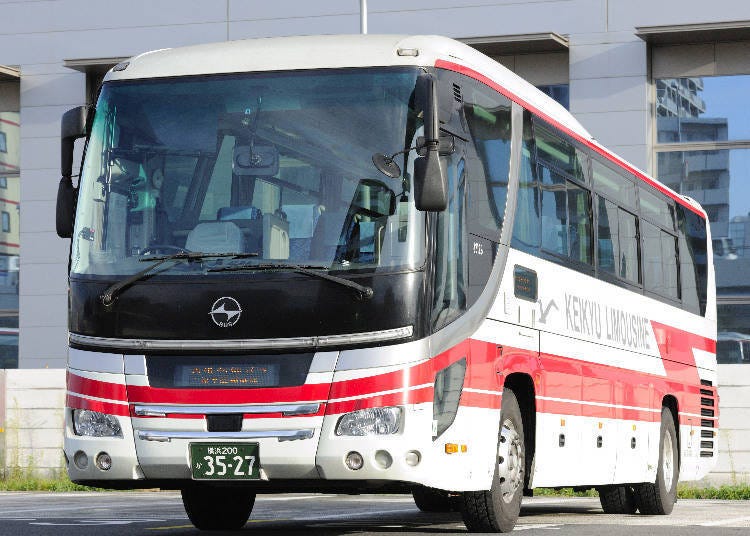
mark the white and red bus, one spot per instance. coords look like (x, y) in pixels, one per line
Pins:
(375, 264)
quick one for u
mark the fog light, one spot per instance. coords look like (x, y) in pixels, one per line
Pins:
(413, 458)
(104, 461)
(95, 424)
(371, 421)
(354, 461)
(383, 459)
(81, 460)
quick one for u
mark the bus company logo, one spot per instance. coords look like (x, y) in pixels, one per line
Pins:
(225, 312)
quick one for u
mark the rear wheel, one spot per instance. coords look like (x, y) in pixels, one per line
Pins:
(658, 498)
(218, 508)
(497, 509)
(434, 500)
(617, 499)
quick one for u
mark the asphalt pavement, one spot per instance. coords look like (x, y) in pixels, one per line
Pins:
(151, 513)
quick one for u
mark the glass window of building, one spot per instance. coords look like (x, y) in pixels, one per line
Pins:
(703, 151)
(559, 92)
(9, 237)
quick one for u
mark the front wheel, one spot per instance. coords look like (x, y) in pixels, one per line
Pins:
(217, 508)
(658, 498)
(497, 509)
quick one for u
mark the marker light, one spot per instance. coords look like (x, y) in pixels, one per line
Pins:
(371, 421)
(354, 461)
(95, 424)
(104, 461)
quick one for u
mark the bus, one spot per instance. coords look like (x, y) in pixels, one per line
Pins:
(380, 264)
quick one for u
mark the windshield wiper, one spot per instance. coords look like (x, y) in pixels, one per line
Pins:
(363, 292)
(111, 293)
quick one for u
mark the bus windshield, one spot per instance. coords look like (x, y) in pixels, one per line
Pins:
(275, 166)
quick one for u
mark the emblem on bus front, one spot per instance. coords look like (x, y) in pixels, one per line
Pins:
(225, 312)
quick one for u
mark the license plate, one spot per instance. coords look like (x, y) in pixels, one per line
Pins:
(227, 461)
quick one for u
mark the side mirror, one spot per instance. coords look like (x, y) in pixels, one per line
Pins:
(66, 201)
(430, 183)
(72, 127)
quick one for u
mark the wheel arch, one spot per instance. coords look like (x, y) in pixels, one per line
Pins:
(522, 386)
(670, 402)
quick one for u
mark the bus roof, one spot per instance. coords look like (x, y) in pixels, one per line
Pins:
(341, 51)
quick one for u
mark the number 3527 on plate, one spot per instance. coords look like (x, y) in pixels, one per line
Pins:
(225, 461)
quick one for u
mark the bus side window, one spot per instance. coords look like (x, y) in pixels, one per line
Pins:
(659, 261)
(527, 226)
(693, 259)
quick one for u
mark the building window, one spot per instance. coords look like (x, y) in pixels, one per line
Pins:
(3, 143)
(702, 140)
(559, 92)
(4, 182)
(6, 222)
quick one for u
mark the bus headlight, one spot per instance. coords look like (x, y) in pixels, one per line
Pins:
(372, 421)
(95, 424)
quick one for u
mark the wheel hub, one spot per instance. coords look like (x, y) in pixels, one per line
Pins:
(510, 460)
(667, 456)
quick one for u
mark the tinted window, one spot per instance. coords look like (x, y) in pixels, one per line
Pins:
(656, 208)
(488, 116)
(526, 227)
(554, 212)
(629, 265)
(579, 212)
(617, 241)
(566, 217)
(607, 242)
(558, 152)
(614, 185)
(693, 259)
(659, 261)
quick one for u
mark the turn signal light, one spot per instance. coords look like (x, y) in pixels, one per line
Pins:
(453, 448)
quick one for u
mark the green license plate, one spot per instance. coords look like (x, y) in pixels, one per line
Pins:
(225, 461)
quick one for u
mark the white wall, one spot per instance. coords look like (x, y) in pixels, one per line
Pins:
(31, 420)
(733, 466)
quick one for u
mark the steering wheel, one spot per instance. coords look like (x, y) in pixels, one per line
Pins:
(163, 249)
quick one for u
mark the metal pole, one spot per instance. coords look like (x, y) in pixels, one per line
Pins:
(363, 16)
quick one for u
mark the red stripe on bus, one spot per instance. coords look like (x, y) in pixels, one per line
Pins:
(274, 415)
(77, 402)
(471, 73)
(139, 394)
(96, 388)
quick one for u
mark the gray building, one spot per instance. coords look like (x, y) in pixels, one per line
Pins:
(663, 84)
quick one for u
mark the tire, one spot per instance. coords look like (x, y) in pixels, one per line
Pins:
(218, 508)
(617, 499)
(434, 500)
(659, 498)
(497, 509)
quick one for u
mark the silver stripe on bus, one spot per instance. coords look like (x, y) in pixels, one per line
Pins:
(245, 344)
(281, 435)
(286, 409)
(598, 404)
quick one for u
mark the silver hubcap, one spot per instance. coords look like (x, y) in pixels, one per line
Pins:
(667, 457)
(510, 461)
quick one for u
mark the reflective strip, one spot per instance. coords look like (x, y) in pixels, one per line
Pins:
(244, 344)
(599, 404)
(482, 391)
(281, 435)
(286, 409)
